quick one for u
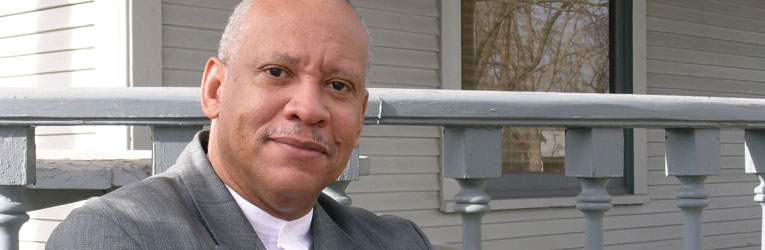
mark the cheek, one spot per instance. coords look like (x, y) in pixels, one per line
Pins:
(347, 124)
(251, 110)
(346, 130)
(244, 117)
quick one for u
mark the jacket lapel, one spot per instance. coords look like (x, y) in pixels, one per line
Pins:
(327, 235)
(223, 218)
(215, 207)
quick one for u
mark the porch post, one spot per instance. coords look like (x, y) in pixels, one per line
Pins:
(169, 142)
(692, 155)
(754, 139)
(352, 172)
(594, 155)
(17, 160)
(472, 156)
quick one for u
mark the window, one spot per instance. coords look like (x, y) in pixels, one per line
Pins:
(560, 46)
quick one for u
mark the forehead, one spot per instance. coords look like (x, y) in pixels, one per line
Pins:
(327, 28)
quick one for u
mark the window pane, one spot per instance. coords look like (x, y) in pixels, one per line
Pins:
(551, 46)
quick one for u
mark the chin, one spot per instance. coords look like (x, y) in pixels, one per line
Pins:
(297, 184)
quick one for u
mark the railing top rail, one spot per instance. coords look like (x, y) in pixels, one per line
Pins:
(501, 108)
(180, 106)
(101, 106)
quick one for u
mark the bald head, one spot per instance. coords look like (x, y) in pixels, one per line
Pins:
(237, 26)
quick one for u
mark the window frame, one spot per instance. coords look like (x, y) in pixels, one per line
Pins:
(629, 31)
(534, 185)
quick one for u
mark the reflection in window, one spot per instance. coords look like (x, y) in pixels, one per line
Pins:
(558, 46)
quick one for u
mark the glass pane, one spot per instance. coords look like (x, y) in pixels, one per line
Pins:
(558, 46)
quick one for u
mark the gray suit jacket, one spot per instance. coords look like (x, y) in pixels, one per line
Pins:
(188, 207)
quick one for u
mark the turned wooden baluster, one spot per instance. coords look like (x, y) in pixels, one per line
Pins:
(472, 156)
(755, 164)
(692, 155)
(17, 161)
(356, 167)
(594, 155)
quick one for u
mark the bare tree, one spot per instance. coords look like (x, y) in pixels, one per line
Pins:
(534, 45)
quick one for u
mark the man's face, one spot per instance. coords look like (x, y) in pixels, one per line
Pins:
(291, 104)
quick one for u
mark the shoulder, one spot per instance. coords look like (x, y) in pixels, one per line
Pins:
(117, 219)
(154, 194)
(390, 231)
(84, 229)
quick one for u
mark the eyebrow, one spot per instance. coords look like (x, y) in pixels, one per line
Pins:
(344, 72)
(286, 58)
(283, 57)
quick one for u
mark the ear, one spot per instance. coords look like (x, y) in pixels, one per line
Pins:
(212, 80)
(361, 119)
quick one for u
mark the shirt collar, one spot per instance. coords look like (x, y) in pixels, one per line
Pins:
(274, 232)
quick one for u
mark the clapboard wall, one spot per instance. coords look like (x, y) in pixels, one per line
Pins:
(190, 33)
(52, 44)
(47, 44)
(405, 160)
(709, 48)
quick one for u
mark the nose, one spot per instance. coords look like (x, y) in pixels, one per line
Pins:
(306, 105)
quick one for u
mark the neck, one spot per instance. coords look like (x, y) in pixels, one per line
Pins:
(283, 206)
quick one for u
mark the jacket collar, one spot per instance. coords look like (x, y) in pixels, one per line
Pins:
(214, 205)
(223, 218)
(327, 234)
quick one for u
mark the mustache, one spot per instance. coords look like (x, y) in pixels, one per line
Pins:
(302, 131)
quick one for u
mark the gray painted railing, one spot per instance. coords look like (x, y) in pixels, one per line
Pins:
(471, 121)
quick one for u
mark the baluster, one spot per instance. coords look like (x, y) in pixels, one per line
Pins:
(691, 155)
(352, 171)
(169, 142)
(755, 164)
(594, 155)
(17, 160)
(13, 214)
(472, 156)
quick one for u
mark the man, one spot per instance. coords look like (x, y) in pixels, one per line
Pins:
(286, 98)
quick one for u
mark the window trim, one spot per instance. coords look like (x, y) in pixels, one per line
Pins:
(451, 75)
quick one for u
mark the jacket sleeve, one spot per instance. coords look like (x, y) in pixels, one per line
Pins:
(84, 229)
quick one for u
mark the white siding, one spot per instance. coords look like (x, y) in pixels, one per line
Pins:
(405, 178)
(51, 44)
(710, 48)
(714, 48)
(190, 33)
(36, 231)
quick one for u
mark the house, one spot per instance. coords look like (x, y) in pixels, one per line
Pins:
(678, 47)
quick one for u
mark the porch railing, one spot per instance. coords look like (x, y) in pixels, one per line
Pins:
(471, 121)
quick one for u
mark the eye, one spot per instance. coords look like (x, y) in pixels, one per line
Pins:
(339, 86)
(275, 72)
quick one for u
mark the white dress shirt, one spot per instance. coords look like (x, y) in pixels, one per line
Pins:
(275, 233)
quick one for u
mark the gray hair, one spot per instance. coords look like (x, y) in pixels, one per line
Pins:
(228, 47)
(232, 35)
